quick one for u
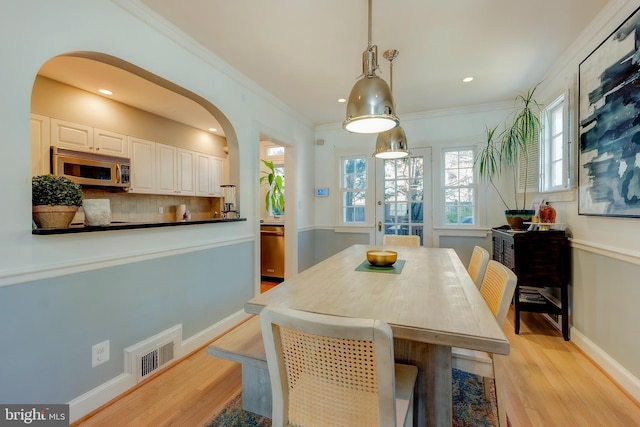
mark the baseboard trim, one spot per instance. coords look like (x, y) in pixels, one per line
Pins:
(104, 393)
(625, 379)
(95, 398)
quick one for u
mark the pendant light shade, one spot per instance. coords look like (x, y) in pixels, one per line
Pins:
(370, 108)
(392, 144)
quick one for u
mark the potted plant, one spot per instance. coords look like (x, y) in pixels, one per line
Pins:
(55, 200)
(274, 198)
(508, 150)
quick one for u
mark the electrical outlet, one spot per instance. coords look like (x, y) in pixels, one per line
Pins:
(160, 210)
(99, 353)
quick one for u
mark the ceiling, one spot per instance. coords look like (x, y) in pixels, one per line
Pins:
(309, 53)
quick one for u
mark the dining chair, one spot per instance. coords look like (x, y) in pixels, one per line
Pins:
(478, 264)
(498, 286)
(329, 370)
(401, 240)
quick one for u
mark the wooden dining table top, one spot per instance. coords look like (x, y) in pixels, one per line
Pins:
(432, 300)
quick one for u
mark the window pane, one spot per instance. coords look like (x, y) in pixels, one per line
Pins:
(451, 159)
(466, 159)
(389, 169)
(402, 190)
(402, 166)
(402, 214)
(416, 212)
(451, 177)
(389, 191)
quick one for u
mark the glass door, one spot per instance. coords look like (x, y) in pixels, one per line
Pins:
(403, 193)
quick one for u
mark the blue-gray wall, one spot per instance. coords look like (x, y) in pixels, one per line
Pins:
(49, 326)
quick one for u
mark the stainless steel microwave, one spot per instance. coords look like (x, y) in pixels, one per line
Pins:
(91, 169)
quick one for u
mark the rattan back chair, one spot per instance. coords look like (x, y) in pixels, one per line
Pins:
(497, 289)
(401, 240)
(478, 264)
(329, 370)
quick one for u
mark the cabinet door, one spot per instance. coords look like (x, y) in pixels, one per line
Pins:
(143, 166)
(40, 142)
(217, 176)
(71, 135)
(107, 142)
(166, 169)
(186, 172)
(203, 174)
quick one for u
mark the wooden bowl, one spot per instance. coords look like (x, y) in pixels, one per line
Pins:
(382, 257)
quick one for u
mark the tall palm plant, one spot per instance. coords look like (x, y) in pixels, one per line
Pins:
(510, 148)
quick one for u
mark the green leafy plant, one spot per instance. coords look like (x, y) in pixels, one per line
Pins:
(274, 198)
(506, 149)
(55, 191)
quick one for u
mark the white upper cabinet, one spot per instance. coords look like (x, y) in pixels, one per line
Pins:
(186, 172)
(176, 168)
(217, 176)
(107, 142)
(73, 136)
(209, 175)
(143, 166)
(167, 167)
(79, 137)
(203, 174)
(40, 143)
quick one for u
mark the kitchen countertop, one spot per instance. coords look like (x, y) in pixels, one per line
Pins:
(81, 228)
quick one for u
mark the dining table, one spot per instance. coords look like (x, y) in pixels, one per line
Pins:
(427, 298)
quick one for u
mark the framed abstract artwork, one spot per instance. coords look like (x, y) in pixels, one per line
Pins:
(609, 125)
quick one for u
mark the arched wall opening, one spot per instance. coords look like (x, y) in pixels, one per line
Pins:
(143, 88)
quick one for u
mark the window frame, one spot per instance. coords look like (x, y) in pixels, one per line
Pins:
(561, 103)
(443, 187)
(369, 196)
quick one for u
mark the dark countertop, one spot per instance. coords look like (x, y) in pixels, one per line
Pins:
(80, 228)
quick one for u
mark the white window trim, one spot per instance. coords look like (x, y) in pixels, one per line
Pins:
(545, 151)
(441, 209)
(369, 210)
(569, 152)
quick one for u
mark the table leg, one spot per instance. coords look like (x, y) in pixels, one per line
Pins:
(432, 402)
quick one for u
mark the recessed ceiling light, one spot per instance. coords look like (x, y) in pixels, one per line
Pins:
(467, 79)
(212, 129)
(105, 91)
(341, 100)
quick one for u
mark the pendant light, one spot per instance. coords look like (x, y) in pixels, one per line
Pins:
(391, 144)
(370, 108)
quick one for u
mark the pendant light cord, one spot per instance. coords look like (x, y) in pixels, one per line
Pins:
(370, 14)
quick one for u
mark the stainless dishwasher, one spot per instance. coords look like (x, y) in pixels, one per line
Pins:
(272, 251)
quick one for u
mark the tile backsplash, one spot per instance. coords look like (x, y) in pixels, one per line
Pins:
(131, 207)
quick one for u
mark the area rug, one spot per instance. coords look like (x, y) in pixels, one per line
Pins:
(470, 407)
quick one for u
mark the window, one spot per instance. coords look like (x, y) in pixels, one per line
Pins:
(353, 179)
(459, 186)
(275, 151)
(554, 156)
(404, 195)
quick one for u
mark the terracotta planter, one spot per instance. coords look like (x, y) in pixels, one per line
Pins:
(53, 216)
(516, 218)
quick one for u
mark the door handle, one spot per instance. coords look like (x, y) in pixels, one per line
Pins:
(379, 225)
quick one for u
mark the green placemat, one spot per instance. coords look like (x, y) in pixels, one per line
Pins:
(396, 268)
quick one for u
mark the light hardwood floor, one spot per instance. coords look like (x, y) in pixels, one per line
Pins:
(546, 382)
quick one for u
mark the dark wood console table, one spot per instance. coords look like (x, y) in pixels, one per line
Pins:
(540, 259)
